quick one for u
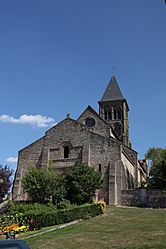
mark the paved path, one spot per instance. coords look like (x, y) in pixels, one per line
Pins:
(52, 229)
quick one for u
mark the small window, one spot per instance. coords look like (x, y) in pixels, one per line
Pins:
(110, 115)
(105, 115)
(66, 152)
(100, 167)
(118, 129)
(90, 122)
(117, 113)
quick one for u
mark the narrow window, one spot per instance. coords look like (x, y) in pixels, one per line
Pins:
(110, 115)
(119, 113)
(100, 167)
(66, 152)
(115, 116)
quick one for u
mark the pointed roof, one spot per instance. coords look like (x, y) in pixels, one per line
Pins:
(112, 91)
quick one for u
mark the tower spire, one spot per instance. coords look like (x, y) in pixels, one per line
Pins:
(112, 91)
(113, 109)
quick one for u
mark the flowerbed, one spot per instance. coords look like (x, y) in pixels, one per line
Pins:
(12, 231)
(13, 228)
(36, 218)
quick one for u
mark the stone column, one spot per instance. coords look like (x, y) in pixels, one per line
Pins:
(118, 173)
(112, 183)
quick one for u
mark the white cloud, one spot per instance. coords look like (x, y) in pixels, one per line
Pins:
(35, 120)
(12, 159)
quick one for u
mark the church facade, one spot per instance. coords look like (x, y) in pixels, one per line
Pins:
(100, 140)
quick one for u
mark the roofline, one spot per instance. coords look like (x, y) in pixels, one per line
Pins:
(89, 107)
(116, 100)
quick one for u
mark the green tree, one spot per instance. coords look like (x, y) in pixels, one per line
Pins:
(157, 172)
(81, 183)
(5, 180)
(43, 185)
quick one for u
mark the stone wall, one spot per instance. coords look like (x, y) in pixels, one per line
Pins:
(144, 197)
(100, 127)
(86, 147)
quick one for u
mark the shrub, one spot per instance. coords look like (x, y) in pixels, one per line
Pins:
(65, 204)
(25, 207)
(43, 185)
(81, 182)
(37, 219)
(5, 180)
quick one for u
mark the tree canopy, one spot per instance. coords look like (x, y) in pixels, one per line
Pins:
(78, 185)
(81, 183)
(157, 172)
(5, 180)
(42, 184)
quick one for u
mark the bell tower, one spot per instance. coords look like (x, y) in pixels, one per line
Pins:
(113, 109)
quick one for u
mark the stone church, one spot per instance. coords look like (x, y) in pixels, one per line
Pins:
(100, 140)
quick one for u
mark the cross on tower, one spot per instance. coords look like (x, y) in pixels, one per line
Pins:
(113, 70)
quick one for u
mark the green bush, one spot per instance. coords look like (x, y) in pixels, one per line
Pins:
(65, 204)
(26, 207)
(44, 184)
(81, 182)
(43, 218)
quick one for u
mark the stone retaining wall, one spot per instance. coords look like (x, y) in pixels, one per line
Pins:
(144, 197)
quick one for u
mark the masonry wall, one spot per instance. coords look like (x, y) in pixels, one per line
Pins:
(130, 171)
(144, 197)
(105, 152)
(100, 128)
(30, 155)
(86, 147)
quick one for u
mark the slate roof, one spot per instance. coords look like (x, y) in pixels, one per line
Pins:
(112, 91)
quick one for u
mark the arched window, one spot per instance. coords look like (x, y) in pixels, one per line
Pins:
(115, 116)
(66, 151)
(118, 129)
(110, 115)
(105, 115)
(117, 113)
(106, 112)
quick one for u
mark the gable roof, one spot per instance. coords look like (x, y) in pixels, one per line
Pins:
(89, 108)
(94, 112)
(63, 121)
(112, 91)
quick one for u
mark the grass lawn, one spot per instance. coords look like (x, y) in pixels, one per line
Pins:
(119, 228)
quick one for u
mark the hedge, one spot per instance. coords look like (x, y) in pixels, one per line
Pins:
(28, 207)
(38, 219)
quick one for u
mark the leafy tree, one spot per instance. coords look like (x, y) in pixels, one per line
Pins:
(5, 180)
(43, 184)
(157, 173)
(81, 183)
(55, 187)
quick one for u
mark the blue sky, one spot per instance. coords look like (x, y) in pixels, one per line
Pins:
(56, 57)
